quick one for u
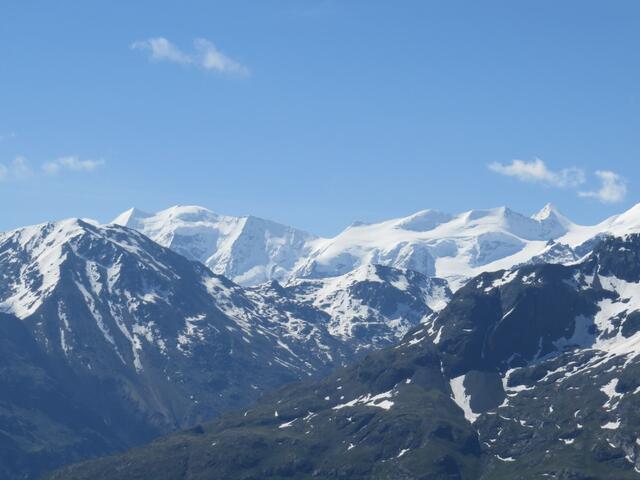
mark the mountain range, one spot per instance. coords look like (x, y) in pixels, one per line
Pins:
(116, 334)
(250, 250)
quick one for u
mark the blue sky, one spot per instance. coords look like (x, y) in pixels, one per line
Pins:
(318, 113)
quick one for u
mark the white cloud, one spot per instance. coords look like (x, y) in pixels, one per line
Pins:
(210, 58)
(613, 188)
(19, 168)
(71, 163)
(162, 49)
(537, 172)
(205, 55)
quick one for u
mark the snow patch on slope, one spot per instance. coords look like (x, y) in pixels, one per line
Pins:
(462, 399)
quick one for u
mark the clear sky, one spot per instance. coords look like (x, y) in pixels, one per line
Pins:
(318, 113)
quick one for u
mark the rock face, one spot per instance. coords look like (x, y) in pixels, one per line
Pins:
(458, 247)
(115, 339)
(528, 373)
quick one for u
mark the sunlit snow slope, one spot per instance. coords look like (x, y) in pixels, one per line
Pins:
(248, 250)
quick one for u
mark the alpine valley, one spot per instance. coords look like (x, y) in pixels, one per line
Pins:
(279, 354)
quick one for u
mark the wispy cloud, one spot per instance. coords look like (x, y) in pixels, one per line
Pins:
(18, 168)
(613, 188)
(205, 55)
(71, 163)
(537, 171)
(161, 49)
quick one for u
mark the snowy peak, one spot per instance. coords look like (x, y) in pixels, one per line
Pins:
(424, 220)
(164, 226)
(552, 221)
(130, 218)
(454, 247)
(249, 250)
(545, 225)
(546, 212)
(170, 219)
(627, 222)
(192, 231)
(32, 258)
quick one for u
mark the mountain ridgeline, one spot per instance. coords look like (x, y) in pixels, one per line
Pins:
(526, 373)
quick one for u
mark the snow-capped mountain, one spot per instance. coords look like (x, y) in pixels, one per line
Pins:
(248, 250)
(107, 299)
(461, 246)
(162, 341)
(115, 339)
(528, 373)
(453, 247)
